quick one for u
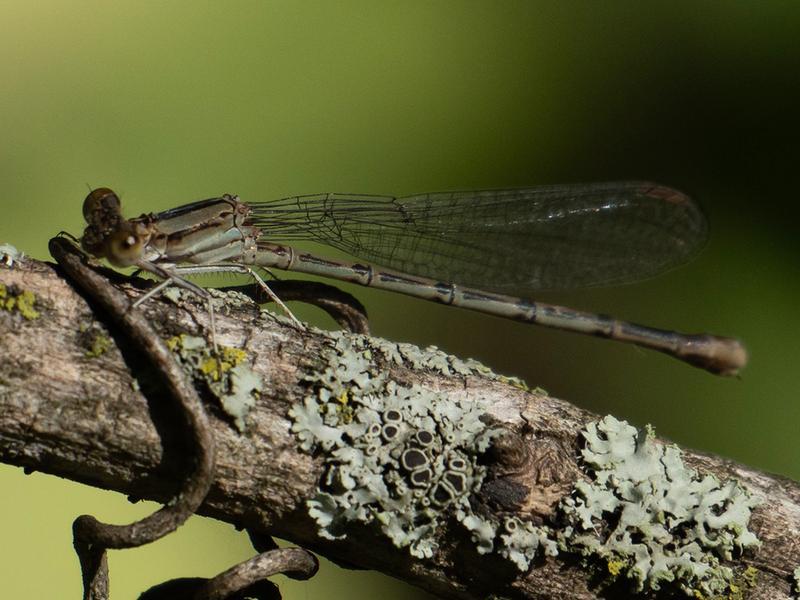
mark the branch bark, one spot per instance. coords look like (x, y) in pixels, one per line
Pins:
(73, 408)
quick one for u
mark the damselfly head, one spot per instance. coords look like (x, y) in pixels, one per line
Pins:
(108, 235)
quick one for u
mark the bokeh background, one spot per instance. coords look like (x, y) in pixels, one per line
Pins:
(172, 102)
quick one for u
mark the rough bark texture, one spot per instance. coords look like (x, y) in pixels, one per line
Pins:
(92, 415)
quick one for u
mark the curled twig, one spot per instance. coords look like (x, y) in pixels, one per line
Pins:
(91, 537)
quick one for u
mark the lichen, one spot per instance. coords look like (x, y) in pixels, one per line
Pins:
(615, 567)
(9, 254)
(748, 578)
(98, 345)
(173, 293)
(796, 582)
(739, 589)
(522, 541)
(19, 301)
(401, 458)
(226, 374)
(652, 519)
(430, 358)
(405, 459)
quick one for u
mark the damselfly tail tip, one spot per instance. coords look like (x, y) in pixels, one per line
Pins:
(716, 354)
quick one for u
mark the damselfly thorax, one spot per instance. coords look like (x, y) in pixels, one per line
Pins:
(200, 233)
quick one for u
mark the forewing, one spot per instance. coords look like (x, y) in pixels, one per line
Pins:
(509, 241)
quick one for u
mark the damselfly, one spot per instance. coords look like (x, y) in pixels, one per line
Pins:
(482, 250)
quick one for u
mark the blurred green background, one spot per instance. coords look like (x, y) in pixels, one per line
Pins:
(172, 102)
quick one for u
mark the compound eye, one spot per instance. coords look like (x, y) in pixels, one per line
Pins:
(100, 199)
(124, 248)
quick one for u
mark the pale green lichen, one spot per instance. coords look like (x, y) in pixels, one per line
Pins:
(226, 374)
(796, 582)
(650, 517)
(9, 254)
(18, 301)
(173, 293)
(402, 458)
(221, 302)
(522, 541)
(515, 539)
(430, 358)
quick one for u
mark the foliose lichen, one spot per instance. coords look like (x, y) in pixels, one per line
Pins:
(8, 254)
(430, 358)
(796, 582)
(652, 519)
(521, 542)
(226, 374)
(403, 458)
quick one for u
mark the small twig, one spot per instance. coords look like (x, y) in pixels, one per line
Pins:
(190, 587)
(345, 309)
(248, 579)
(300, 563)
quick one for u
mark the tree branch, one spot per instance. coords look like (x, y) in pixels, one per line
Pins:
(74, 406)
